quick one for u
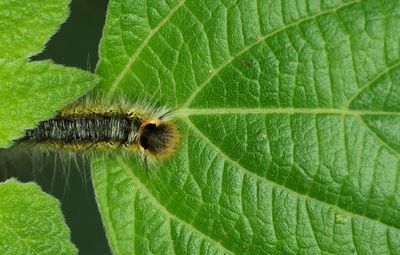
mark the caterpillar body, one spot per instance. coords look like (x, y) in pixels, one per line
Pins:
(85, 126)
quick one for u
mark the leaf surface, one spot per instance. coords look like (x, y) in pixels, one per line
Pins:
(31, 221)
(290, 122)
(27, 25)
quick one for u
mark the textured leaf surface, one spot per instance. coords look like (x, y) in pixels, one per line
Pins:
(290, 117)
(27, 25)
(31, 221)
(31, 92)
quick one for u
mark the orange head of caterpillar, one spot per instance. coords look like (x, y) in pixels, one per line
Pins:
(158, 138)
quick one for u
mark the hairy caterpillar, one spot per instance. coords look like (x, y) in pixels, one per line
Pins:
(85, 126)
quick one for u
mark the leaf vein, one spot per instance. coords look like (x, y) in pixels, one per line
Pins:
(112, 234)
(317, 241)
(352, 237)
(273, 184)
(164, 210)
(365, 86)
(377, 137)
(216, 71)
(18, 236)
(139, 50)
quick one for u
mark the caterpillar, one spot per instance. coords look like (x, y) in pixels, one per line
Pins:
(86, 126)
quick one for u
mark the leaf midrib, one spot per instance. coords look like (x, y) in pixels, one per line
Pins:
(184, 112)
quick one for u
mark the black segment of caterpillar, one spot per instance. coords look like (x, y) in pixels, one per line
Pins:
(86, 126)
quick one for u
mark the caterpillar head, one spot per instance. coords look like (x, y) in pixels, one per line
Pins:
(159, 138)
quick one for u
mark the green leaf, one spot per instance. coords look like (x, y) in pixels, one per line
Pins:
(31, 221)
(34, 91)
(27, 25)
(290, 120)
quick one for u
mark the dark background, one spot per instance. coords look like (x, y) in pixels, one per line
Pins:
(75, 44)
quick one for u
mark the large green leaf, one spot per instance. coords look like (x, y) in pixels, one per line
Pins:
(31, 221)
(31, 92)
(290, 121)
(27, 25)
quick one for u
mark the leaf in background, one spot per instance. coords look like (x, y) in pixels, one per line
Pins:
(31, 221)
(289, 113)
(34, 91)
(31, 92)
(27, 25)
